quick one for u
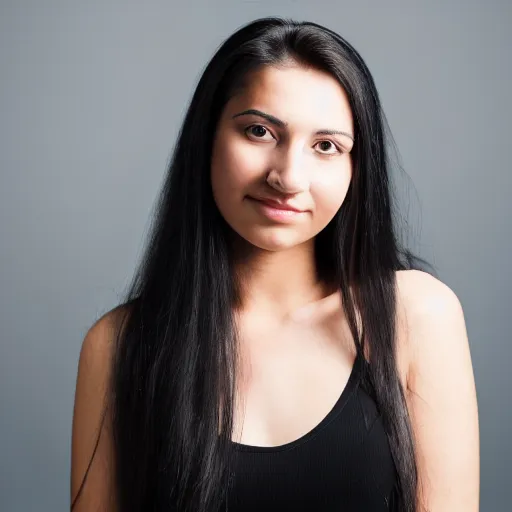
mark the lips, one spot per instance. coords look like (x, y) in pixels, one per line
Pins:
(277, 204)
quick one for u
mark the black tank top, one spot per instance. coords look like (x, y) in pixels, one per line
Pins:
(344, 464)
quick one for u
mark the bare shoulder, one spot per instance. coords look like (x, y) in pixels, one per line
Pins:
(98, 342)
(425, 307)
(91, 487)
(99, 339)
(423, 291)
(441, 393)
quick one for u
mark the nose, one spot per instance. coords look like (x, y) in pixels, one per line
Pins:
(289, 175)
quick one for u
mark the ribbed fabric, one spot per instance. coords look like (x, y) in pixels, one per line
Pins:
(344, 464)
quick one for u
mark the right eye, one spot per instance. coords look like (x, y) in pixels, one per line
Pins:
(257, 130)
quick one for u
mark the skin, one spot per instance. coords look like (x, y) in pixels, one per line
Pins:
(296, 348)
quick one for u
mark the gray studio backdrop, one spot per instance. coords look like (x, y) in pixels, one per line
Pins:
(92, 96)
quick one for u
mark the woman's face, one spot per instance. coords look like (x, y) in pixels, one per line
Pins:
(283, 157)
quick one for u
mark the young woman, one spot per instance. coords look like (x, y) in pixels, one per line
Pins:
(278, 349)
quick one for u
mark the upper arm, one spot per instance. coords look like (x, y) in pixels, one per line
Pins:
(441, 398)
(91, 431)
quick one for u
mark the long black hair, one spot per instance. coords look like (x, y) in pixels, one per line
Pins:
(173, 380)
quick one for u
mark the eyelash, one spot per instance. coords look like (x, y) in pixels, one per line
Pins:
(338, 149)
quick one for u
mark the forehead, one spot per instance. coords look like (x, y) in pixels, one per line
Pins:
(303, 97)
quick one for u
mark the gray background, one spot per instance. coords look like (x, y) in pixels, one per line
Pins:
(92, 96)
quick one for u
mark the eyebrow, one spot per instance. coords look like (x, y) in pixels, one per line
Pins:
(281, 124)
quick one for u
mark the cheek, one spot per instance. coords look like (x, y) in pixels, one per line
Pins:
(223, 177)
(235, 169)
(329, 195)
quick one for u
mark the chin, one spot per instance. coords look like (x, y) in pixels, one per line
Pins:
(273, 239)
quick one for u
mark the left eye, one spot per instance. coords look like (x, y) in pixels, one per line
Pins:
(336, 150)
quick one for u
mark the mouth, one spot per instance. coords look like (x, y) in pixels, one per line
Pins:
(277, 205)
(276, 211)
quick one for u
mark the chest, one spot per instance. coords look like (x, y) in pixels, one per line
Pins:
(344, 464)
(289, 379)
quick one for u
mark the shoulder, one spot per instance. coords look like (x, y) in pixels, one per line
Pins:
(431, 320)
(91, 486)
(97, 347)
(424, 292)
(440, 391)
(100, 337)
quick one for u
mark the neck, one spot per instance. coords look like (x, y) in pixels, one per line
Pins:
(278, 283)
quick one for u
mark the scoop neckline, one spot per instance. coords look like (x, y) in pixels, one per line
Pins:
(336, 409)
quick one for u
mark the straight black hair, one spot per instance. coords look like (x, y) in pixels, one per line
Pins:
(173, 380)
